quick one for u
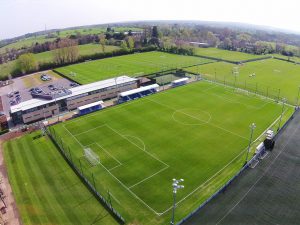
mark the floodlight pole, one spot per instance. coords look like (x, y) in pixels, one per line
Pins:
(282, 110)
(175, 186)
(252, 127)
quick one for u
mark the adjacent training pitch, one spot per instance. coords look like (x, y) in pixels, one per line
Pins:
(46, 189)
(267, 76)
(225, 54)
(198, 132)
(132, 65)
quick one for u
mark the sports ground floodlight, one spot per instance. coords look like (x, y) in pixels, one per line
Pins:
(175, 186)
(282, 111)
(252, 127)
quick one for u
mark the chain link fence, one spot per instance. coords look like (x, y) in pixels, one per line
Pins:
(79, 166)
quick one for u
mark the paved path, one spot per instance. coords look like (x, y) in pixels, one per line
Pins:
(266, 195)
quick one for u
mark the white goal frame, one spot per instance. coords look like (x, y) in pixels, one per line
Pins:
(91, 156)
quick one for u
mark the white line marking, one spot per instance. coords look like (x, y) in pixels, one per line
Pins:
(108, 153)
(191, 124)
(131, 192)
(115, 167)
(72, 135)
(147, 178)
(214, 125)
(137, 138)
(115, 198)
(137, 145)
(86, 131)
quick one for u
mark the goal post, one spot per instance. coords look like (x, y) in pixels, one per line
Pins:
(91, 156)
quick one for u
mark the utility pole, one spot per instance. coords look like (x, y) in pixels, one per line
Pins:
(252, 127)
(175, 186)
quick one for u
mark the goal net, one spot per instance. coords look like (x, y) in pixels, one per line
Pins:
(91, 156)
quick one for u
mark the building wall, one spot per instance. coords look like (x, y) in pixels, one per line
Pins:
(74, 103)
(40, 114)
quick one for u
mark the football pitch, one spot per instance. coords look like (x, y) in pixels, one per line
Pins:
(132, 65)
(198, 132)
(269, 77)
(226, 55)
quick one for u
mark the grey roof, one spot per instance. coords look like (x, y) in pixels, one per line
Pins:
(82, 89)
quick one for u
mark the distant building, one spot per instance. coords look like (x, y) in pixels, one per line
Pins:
(37, 109)
(199, 44)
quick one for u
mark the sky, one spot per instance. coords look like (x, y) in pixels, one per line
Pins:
(19, 17)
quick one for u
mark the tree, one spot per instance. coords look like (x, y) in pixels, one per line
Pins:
(154, 32)
(212, 39)
(66, 52)
(102, 41)
(27, 63)
(130, 43)
(124, 46)
(108, 29)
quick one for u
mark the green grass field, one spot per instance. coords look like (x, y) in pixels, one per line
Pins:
(44, 57)
(88, 49)
(225, 54)
(270, 76)
(294, 58)
(132, 65)
(198, 132)
(46, 189)
(27, 42)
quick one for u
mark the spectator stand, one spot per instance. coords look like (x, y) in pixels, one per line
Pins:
(138, 93)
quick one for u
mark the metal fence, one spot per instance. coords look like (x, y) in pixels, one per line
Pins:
(66, 152)
(246, 166)
(250, 87)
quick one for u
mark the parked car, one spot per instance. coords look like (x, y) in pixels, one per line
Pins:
(16, 92)
(12, 102)
(37, 91)
(10, 95)
(45, 77)
(73, 84)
